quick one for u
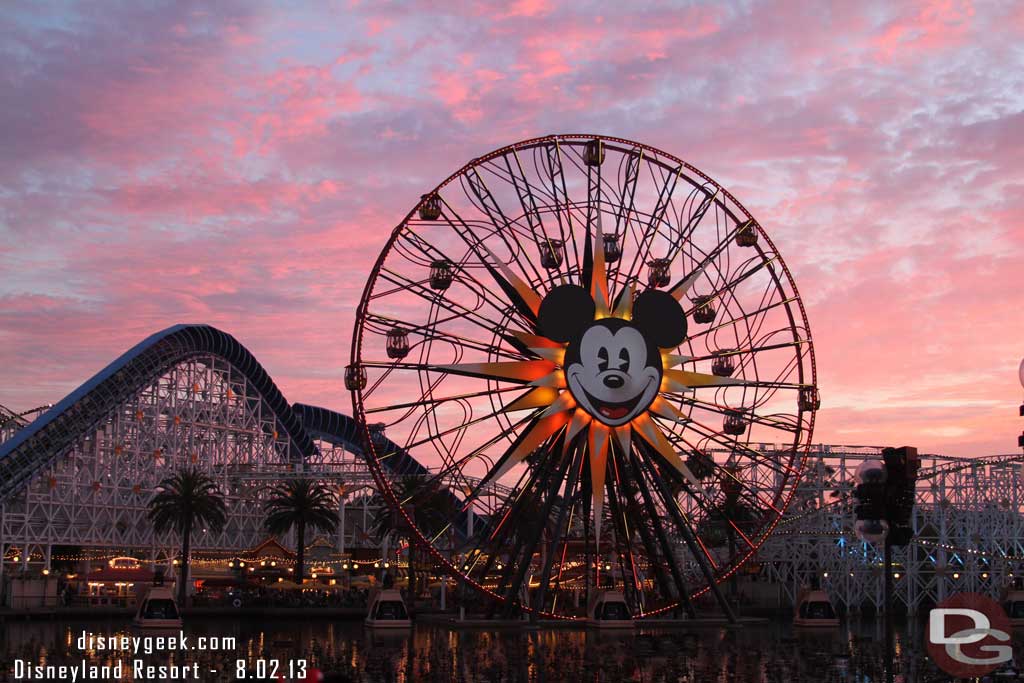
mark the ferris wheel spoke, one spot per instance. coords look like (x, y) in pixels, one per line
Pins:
(535, 539)
(518, 524)
(433, 253)
(695, 220)
(593, 229)
(522, 298)
(705, 561)
(750, 352)
(525, 192)
(496, 535)
(758, 384)
(491, 477)
(671, 506)
(707, 259)
(608, 187)
(623, 538)
(428, 400)
(534, 198)
(732, 284)
(562, 203)
(459, 311)
(498, 218)
(431, 332)
(627, 204)
(707, 506)
(646, 539)
(657, 216)
(768, 421)
(452, 430)
(746, 319)
(734, 446)
(560, 529)
(524, 372)
(667, 554)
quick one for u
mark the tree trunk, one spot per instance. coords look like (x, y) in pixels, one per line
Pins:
(300, 551)
(412, 575)
(732, 554)
(731, 513)
(186, 548)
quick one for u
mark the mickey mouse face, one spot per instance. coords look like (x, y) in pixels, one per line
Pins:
(613, 377)
(612, 366)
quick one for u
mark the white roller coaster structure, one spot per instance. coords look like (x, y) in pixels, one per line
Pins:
(82, 473)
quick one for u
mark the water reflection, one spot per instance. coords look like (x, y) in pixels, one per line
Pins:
(770, 653)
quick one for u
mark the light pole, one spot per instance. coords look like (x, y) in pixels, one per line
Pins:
(884, 512)
(1020, 374)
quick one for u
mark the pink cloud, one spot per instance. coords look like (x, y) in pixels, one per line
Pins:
(934, 25)
(243, 166)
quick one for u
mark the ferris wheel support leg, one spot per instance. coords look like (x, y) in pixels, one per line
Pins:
(341, 525)
(624, 551)
(588, 556)
(691, 542)
(527, 502)
(3, 547)
(888, 612)
(659, 573)
(666, 549)
(505, 576)
(538, 602)
(535, 538)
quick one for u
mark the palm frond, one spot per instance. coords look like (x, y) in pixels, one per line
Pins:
(187, 498)
(300, 500)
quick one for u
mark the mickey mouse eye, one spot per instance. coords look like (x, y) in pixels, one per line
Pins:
(602, 359)
(624, 358)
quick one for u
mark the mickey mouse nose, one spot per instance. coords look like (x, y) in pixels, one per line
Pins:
(613, 381)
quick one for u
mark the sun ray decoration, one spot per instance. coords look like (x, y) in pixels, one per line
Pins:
(606, 365)
(552, 394)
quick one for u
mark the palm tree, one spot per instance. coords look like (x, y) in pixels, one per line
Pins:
(431, 507)
(429, 503)
(185, 500)
(300, 504)
(700, 464)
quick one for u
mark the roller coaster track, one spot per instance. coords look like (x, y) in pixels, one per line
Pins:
(37, 445)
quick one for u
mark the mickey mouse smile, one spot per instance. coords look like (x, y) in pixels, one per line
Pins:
(613, 413)
(613, 366)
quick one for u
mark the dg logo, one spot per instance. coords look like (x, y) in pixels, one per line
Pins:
(969, 635)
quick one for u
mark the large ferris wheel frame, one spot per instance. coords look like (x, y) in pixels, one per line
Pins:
(663, 515)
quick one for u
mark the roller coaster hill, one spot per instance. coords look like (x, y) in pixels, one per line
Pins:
(76, 477)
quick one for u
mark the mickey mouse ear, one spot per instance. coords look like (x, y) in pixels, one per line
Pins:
(660, 318)
(565, 312)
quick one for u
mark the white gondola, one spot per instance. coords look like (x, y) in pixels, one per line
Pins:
(158, 610)
(610, 611)
(387, 610)
(1014, 606)
(814, 610)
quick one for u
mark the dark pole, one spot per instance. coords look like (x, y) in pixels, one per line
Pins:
(887, 599)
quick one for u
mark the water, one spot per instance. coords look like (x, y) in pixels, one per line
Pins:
(769, 653)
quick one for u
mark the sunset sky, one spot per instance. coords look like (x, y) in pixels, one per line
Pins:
(242, 166)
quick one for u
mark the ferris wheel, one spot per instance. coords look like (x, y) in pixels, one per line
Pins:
(605, 332)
